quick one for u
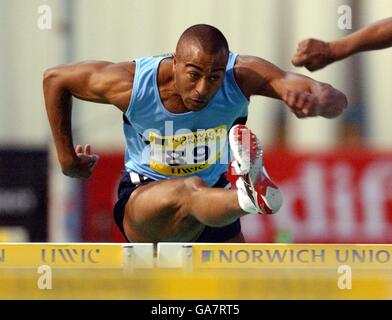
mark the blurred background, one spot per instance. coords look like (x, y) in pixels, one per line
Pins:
(336, 175)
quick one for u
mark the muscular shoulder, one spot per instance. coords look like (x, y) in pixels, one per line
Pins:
(253, 74)
(96, 81)
(115, 82)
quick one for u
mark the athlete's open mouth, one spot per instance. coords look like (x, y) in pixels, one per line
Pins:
(198, 101)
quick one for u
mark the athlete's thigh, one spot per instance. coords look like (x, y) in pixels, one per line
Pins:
(156, 212)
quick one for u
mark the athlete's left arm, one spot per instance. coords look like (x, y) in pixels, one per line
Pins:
(304, 96)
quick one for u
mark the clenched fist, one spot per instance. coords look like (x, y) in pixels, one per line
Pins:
(303, 104)
(83, 166)
(323, 100)
(313, 54)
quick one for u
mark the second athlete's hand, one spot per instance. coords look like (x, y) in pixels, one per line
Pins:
(313, 54)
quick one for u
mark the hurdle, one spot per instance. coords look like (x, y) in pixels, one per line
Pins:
(264, 255)
(197, 270)
(194, 255)
(77, 255)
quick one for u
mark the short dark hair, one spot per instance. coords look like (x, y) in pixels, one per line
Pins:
(210, 38)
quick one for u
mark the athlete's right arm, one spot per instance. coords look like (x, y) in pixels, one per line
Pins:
(96, 81)
(315, 54)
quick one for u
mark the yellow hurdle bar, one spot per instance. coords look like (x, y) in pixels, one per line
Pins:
(196, 255)
(195, 271)
(75, 255)
(309, 256)
(274, 256)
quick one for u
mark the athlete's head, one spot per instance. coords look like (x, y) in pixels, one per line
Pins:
(199, 65)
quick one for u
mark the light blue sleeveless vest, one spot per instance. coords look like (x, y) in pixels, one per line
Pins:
(162, 145)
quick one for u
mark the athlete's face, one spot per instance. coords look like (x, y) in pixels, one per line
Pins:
(198, 76)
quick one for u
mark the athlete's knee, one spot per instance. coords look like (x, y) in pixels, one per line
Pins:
(181, 193)
(185, 188)
(194, 184)
(174, 194)
(172, 197)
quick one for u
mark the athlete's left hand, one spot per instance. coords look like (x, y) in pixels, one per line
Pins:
(324, 100)
(303, 104)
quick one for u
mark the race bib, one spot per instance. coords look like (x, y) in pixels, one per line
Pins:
(188, 153)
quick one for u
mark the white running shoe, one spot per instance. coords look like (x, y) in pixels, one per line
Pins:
(256, 191)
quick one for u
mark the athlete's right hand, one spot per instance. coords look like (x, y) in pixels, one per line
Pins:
(83, 166)
(313, 54)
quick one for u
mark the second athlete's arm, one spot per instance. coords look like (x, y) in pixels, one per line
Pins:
(315, 54)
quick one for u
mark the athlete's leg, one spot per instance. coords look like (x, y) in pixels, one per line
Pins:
(178, 209)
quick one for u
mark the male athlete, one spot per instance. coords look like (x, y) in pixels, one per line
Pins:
(178, 110)
(316, 54)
